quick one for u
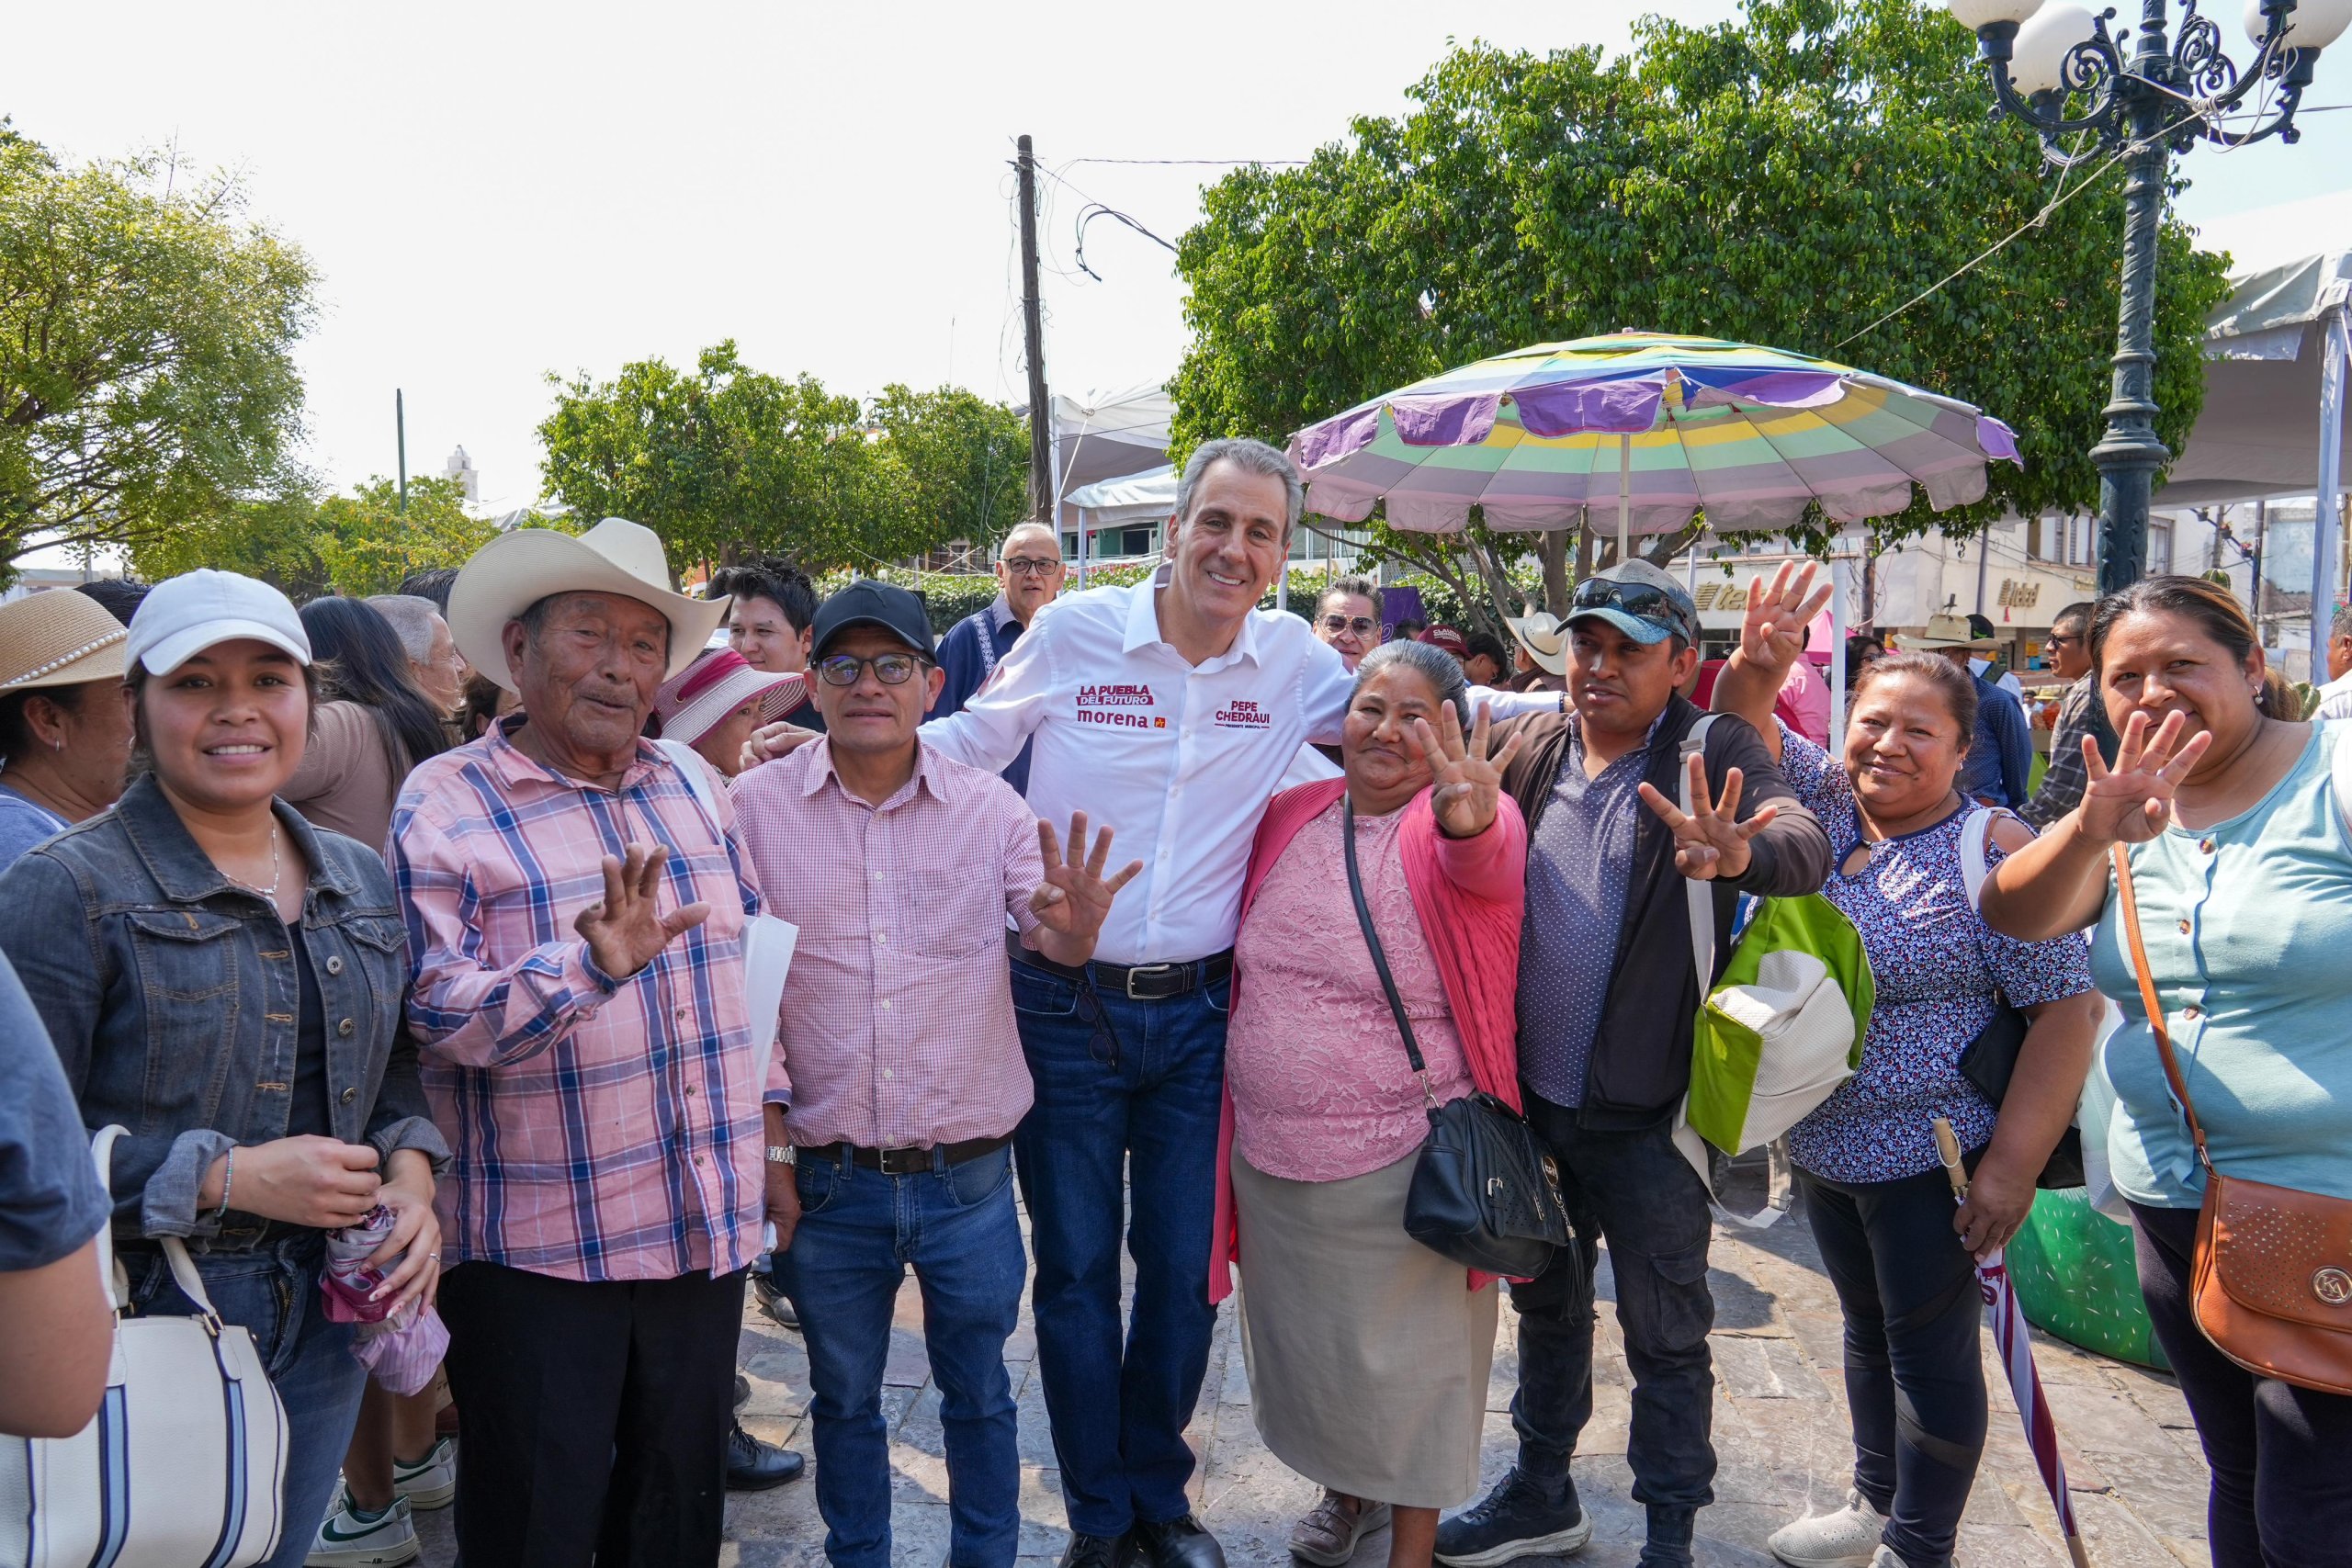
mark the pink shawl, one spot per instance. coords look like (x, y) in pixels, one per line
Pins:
(1473, 937)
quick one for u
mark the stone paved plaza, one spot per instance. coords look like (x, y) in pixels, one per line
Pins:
(1779, 1432)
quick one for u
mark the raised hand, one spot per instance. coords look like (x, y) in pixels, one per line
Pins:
(2132, 801)
(626, 930)
(1074, 899)
(1773, 632)
(1466, 781)
(770, 741)
(1710, 841)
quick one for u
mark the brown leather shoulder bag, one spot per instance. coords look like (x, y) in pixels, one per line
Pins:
(2272, 1278)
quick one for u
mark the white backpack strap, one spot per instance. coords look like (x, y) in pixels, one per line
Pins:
(1975, 850)
(102, 1157)
(689, 762)
(1702, 894)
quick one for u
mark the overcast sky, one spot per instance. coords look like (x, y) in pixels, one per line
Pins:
(496, 191)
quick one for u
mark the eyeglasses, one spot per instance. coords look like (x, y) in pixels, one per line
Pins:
(891, 668)
(1640, 600)
(1030, 566)
(1362, 625)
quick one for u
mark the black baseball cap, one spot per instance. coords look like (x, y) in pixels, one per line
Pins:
(1638, 600)
(869, 603)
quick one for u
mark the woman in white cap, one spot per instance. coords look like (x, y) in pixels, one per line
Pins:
(226, 980)
(64, 730)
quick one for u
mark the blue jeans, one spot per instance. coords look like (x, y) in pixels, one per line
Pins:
(859, 1231)
(1125, 1089)
(273, 1293)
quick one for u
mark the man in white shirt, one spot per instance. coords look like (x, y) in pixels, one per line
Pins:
(2336, 697)
(1174, 708)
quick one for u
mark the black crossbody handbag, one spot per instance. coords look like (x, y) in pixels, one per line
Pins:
(1484, 1194)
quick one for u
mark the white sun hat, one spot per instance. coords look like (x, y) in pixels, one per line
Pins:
(517, 569)
(718, 681)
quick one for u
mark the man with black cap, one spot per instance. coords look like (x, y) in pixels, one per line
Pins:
(899, 1076)
(1607, 993)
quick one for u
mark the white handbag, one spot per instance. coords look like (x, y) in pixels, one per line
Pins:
(183, 1465)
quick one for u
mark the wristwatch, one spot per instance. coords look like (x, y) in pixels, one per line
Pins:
(780, 1154)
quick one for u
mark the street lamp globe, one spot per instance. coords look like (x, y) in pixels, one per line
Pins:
(2038, 59)
(1978, 15)
(2311, 24)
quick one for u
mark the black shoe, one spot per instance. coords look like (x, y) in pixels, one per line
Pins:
(754, 1466)
(1099, 1550)
(772, 1300)
(1520, 1517)
(742, 1390)
(1177, 1544)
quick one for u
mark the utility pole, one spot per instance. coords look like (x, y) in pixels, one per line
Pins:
(1033, 326)
(400, 437)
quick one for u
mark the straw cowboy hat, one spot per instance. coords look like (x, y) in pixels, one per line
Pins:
(1545, 639)
(515, 571)
(1948, 631)
(58, 637)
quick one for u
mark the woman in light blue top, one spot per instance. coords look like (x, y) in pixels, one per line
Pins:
(2241, 854)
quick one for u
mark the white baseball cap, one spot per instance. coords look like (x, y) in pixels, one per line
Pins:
(186, 615)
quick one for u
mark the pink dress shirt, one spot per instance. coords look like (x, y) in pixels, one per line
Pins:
(602, 1129)
(897, 1028)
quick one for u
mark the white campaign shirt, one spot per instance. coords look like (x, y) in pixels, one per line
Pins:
(1178, 760)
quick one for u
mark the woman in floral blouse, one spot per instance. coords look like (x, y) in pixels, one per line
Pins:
(1879, 1202)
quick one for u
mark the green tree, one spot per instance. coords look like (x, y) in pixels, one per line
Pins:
(725, 458)
(307, 544)
(147, 328)
(1785, 179)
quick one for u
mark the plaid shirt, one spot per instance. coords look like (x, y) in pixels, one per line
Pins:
(2079, 713)
(603, 1129)
(897, 1028)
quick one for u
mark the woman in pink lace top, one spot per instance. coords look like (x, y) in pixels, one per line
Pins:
(1367, 1352)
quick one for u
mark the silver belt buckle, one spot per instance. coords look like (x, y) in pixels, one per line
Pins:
(1155, 971)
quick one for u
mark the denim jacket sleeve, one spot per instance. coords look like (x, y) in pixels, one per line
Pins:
(402, 1120)
(49, 936)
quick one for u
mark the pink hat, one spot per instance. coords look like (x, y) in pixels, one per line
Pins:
(691, 703)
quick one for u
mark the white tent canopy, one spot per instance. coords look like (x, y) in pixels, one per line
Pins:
(1106, 434)
(1147, 497)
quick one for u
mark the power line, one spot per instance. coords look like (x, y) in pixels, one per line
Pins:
(1206, 162)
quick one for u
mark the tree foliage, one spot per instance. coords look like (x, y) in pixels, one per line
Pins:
(307, 544)
(1783, 179)
(724, 459)
(147, 328)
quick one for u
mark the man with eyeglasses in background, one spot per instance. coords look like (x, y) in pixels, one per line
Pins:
(2080, 713)
(1347, 618)
(1029, 573)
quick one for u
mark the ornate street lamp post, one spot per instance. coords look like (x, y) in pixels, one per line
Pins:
(2065, 73)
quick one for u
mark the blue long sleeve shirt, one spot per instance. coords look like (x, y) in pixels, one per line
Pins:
(2000, 756)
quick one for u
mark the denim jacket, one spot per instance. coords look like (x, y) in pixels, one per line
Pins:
(174, 1003)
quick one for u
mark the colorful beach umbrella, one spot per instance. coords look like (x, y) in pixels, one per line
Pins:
(1643, 429)
(2016, 1346)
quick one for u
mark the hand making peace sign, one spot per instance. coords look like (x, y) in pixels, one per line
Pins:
(1710, 841)
(1465, 780)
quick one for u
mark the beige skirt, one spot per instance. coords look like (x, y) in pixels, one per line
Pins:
(1367, 1352)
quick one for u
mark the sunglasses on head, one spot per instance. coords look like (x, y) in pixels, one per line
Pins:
(1641, 600)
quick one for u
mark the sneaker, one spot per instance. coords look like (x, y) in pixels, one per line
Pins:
(1846, 1538)
(430, 1483)
(1518, 1519)
(349, 1538)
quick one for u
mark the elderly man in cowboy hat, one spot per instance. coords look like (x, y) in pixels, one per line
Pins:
(2000, 755)
(576, 918)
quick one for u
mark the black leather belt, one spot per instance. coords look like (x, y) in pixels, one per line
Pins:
(1139, 983)
(911, 1161)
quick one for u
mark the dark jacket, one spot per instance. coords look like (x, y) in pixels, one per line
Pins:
(1641, 1053)
(172, 999)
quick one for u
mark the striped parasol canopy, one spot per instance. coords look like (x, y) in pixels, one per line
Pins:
(1643, 429)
